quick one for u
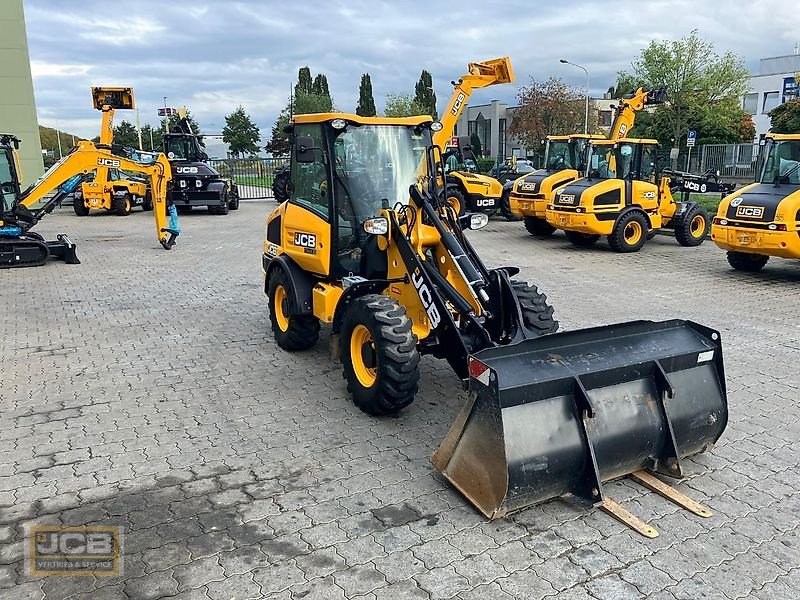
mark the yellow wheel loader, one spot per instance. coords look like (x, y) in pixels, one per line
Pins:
(471, 191)
(563, 162)
(107, 189)
(624, 197)
(368, 245)
(23, 209)
(763, 219)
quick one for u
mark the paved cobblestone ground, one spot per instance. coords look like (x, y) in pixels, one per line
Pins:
(143, 388)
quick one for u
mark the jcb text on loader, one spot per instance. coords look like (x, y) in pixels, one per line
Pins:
(368, 244)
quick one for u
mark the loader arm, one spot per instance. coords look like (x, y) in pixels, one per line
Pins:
(629, 106)
(479, 75)
(84, 158)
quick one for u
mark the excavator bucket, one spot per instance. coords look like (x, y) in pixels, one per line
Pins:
(563, 413)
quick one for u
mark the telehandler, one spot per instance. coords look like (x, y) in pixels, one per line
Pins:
(106, 189)
(563, 162)
(368, 244)
(763, 219)
(624, 197)
(468, 191)
(22, 247)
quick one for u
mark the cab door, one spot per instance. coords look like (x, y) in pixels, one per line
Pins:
(306, 220)
(644, 190)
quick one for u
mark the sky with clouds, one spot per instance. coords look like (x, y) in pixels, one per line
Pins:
(213, 55)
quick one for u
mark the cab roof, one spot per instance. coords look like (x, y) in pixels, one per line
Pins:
(643, 141)
(573, 136)
(783, 136)
(326, 117)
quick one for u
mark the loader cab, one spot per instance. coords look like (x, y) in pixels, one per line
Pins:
(9, 173)
(629, 160)
(782, 165)
(344, 170)
(183, 147)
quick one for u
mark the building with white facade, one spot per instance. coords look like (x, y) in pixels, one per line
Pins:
(774, 84)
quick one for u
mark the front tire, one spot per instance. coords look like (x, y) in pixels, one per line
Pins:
(538, 227)
(630, 232)
(122, 205)
(234, 202)
(79, 206)
(379, 355)
(147, 202)
(292, 332)
(537, 314)
(505, 207)
(582, 240)
(744, 261)
(456, 199)
(693, 228)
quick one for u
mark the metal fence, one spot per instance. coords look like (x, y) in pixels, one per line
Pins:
(737, 161)
(253, 175)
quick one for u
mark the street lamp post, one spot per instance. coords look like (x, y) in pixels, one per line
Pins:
(166, 120)
(586, 116)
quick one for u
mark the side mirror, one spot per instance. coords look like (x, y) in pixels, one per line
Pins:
(473, 221)
(203, 156)
(377, 226)
(304, 149)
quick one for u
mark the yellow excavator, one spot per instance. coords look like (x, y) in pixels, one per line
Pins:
(107, 189)
(763, 219)
(368, 244)
(23, 209)
(470, 191)
(564, 162)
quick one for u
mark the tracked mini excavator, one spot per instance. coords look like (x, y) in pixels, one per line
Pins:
(368, 244)
(23, 209)
(563, 162)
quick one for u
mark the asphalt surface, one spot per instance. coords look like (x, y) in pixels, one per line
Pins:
(143, 388)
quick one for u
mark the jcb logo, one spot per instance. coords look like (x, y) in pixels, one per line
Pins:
(484, 202)
(649, 195)
(623, 129)
(426, 297)
(566, 198)
(186, 169)
(107, 162)
(305, 240)
(695, 187)
(457, 105)
(752, 212)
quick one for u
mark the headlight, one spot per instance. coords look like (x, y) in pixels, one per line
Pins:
(436, 126)
(338, 123)
(377, 226)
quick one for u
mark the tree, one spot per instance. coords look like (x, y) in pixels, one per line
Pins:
(366, 102)
(700, 84)
(401, 105)
(304, 84)
(548, 107)
(424, 96)
(785, 118)
(477, 146)
(241, 134)
(125, 134)
(320, 87)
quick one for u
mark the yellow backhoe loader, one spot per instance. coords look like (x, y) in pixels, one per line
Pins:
(23, 209)
(368, 244)
(763, 219)
(109, 189)
(467, 190)
(563, 162)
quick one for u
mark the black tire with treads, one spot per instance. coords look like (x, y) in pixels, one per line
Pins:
(537, 314)
(538, 227)
(745, 261)
(303, 330)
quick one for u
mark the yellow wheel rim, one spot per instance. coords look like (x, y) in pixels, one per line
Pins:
(455, 203)
(127, 205)
(633, 233)
(698, 226)
(361, 347)
(279, 306)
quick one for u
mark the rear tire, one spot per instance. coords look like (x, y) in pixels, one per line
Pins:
(80, 207)
(582, 240)
(379, 355)
(630, 232)
(234, 202)
(744, 261)
(538, 227)
(537, 314)
(122, 205)
(147, 202)
(280, 184)
(693, 228)
(292, 332)
(505, 207)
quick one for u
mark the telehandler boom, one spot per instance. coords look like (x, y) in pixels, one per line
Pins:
(368, 244)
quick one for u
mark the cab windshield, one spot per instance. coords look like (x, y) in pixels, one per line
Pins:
(376, 164)
(178, 147)
(558, 156)
(7, 182)
(609, 161)
(783, 163)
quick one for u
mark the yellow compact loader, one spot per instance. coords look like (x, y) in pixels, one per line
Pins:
(563, 162)
(368, 245)
(763, 219)
(107, 188)
(624, 197)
